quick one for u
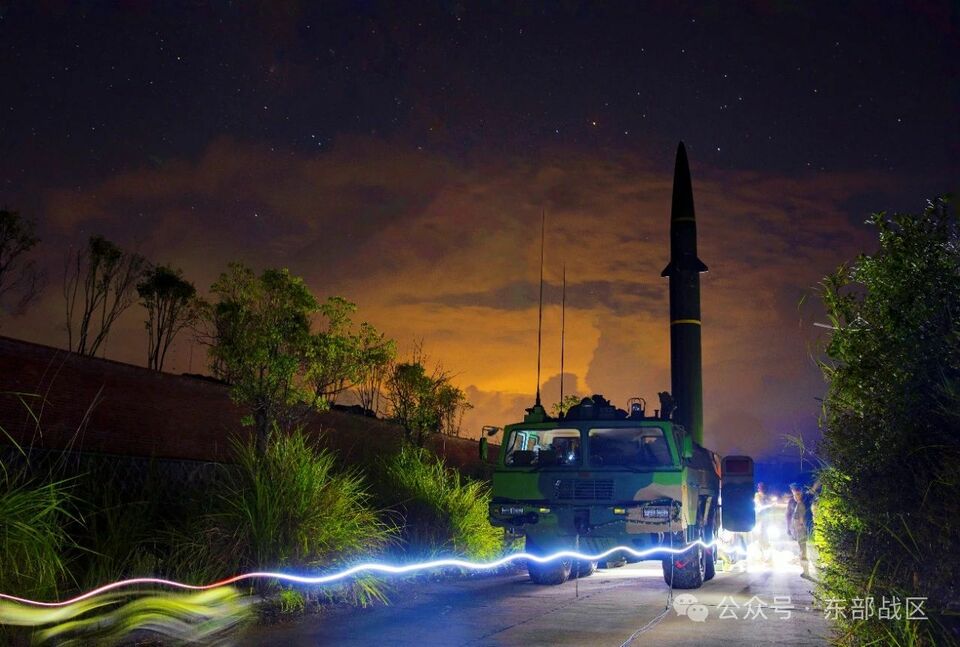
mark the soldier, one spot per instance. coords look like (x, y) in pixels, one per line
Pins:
(759, 502)
(798, 523)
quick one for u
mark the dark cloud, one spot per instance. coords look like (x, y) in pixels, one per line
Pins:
(438, 249)
(620, 297)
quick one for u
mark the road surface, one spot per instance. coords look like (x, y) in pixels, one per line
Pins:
(752, 606)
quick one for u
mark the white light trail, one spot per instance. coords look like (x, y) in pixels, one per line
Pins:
(369, 567)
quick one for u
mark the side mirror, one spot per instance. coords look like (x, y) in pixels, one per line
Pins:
(484, 449)
(737, 510)
(687, 446)
(490, 430)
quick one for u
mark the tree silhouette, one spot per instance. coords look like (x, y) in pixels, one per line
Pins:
(99, 284)
(18, 276)
(172, 305)
(375, 353)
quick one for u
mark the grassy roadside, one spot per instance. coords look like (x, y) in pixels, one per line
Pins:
(296, 507)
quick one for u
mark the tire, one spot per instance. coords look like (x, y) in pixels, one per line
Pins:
(586, 568)
(688, 569)
(710, 566)
(551, 573)
(554, 572)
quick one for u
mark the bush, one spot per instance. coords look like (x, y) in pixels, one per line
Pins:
(443, 511)
(287, 508)
(292, 602)
(888, 521)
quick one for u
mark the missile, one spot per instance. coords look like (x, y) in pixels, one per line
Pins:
(683, 270)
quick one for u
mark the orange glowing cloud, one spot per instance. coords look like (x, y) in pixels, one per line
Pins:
(445, 251)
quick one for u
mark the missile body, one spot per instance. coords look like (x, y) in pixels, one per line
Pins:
(686, 372)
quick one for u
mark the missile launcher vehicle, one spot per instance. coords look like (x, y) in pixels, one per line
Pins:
(598, 477)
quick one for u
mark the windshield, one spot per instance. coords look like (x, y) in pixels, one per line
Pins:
(636, 447)
(543, 447)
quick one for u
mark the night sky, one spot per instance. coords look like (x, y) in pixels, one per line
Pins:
(400, 155)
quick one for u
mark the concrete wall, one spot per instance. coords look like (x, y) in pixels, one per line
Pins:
(106, 407)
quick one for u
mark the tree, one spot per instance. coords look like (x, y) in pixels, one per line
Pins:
(18, 276)
(99, 279)
(375, 354)
(171, 304)
(561, 408)
(424, 403)
(887, 518)
(333, 359)
(262, 343)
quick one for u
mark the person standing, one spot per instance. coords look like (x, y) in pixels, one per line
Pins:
(798, 515)
(760, 504)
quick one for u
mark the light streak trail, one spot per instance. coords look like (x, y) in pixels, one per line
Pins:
(371, 567)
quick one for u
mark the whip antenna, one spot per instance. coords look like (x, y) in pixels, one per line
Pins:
(543, 222)
(563, 321)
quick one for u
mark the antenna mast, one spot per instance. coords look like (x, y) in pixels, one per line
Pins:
(543, 222)
(563, 321)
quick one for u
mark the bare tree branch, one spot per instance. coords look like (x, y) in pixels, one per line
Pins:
(105, 277)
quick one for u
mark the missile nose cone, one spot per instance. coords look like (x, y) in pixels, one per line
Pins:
(683, 228)
(682, 187)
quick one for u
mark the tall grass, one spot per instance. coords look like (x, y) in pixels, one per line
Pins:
(122, 529)
(34, 515)
(33, 519)
(290, 507)
(443, 511)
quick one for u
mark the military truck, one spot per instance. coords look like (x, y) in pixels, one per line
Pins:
(597, 477)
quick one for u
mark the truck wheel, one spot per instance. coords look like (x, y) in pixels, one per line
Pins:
(556, 571)
(687, 569)
(552, 572)
(710, 567)
(586, 568)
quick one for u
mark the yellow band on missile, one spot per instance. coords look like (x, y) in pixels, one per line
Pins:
(684, 219)
(685, 321)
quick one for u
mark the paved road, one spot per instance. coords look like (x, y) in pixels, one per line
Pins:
(604, 609)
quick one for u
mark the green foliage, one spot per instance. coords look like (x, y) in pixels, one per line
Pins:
(561, 408)
(443, 511)
(375, 354)
(292, 602)
(262, 341)
(171, 306)
(17, 275)
(263, 345)
(889, 515)
(34, 517)
(289, 507)
(424, 403)
(334, 351)
(342, 358)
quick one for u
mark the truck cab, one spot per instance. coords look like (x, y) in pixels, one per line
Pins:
(600, 477)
